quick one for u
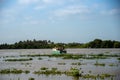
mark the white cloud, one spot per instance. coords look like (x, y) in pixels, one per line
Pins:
(48, 1)
(111, 12)
(27, 1)
(28, 17)
(34, 22)
(55, 2)
(72, 10)
(114, 11)
(39, 7)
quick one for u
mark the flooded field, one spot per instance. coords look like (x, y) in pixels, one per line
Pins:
(77, 64)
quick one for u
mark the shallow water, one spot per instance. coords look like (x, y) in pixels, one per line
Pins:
(50, 62)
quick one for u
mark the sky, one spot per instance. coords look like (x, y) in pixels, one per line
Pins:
(59, 20)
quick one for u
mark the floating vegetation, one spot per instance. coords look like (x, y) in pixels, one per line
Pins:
(63, 56)
(54, 71)
(99, 64)
(31, 78)
(74, 56)
(90, 71)
(43, 68)
(73, 72)
(46, 71)
(102, 76)
(39, 58)
(112, 64)
(61, 63)
(78, 63)
(118, 58)
(87, 76)
(26, 71)
(25, 59)
(13, 71)
(26, 63)
(71, 56)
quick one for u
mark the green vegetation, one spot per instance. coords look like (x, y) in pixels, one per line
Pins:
(31, 78)
(43, 68)
(47, 71)
(61, 63)
(118, 58)
(54, 71)
(112, 64)
(26, 63)
(102, 76)
(39, 58)
(40, 44)
(78, 63)
(25, 59)
(26, 71)
(99, 64)
(74, 56)
(76, 73)
(13, 71)
(73, 72)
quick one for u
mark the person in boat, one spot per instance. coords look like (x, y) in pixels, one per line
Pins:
(62, 50)
(59, 50)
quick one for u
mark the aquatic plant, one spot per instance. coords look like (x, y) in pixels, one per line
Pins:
(39, 58)
(54, 71)
(112, 64)
(73, 72)
(74, 56)
(26, 71)
(102, 76)
(31, 78)
(25, 59)
(64, 56)
(89, 76)
(78, 63)
(99, 64)
(61, 63)
(13, 71)
(26, 63)
(8, 71)
(118, 58)
(43, 68)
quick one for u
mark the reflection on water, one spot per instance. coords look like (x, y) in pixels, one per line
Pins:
(112, 64)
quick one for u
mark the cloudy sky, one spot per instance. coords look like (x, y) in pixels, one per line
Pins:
(59, 20)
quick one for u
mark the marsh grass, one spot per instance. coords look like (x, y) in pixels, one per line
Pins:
(55, 71)
(25, 59)
(43, 68)
(75, 56)
(31, 78)
(13, 71)
(102, 76)
(73, 72)
(39, 58)
(99, 64)
(118, 58)
(77, 63)
(61, 63)
(112, 64)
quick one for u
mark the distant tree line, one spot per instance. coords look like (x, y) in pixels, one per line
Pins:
(41, 44)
